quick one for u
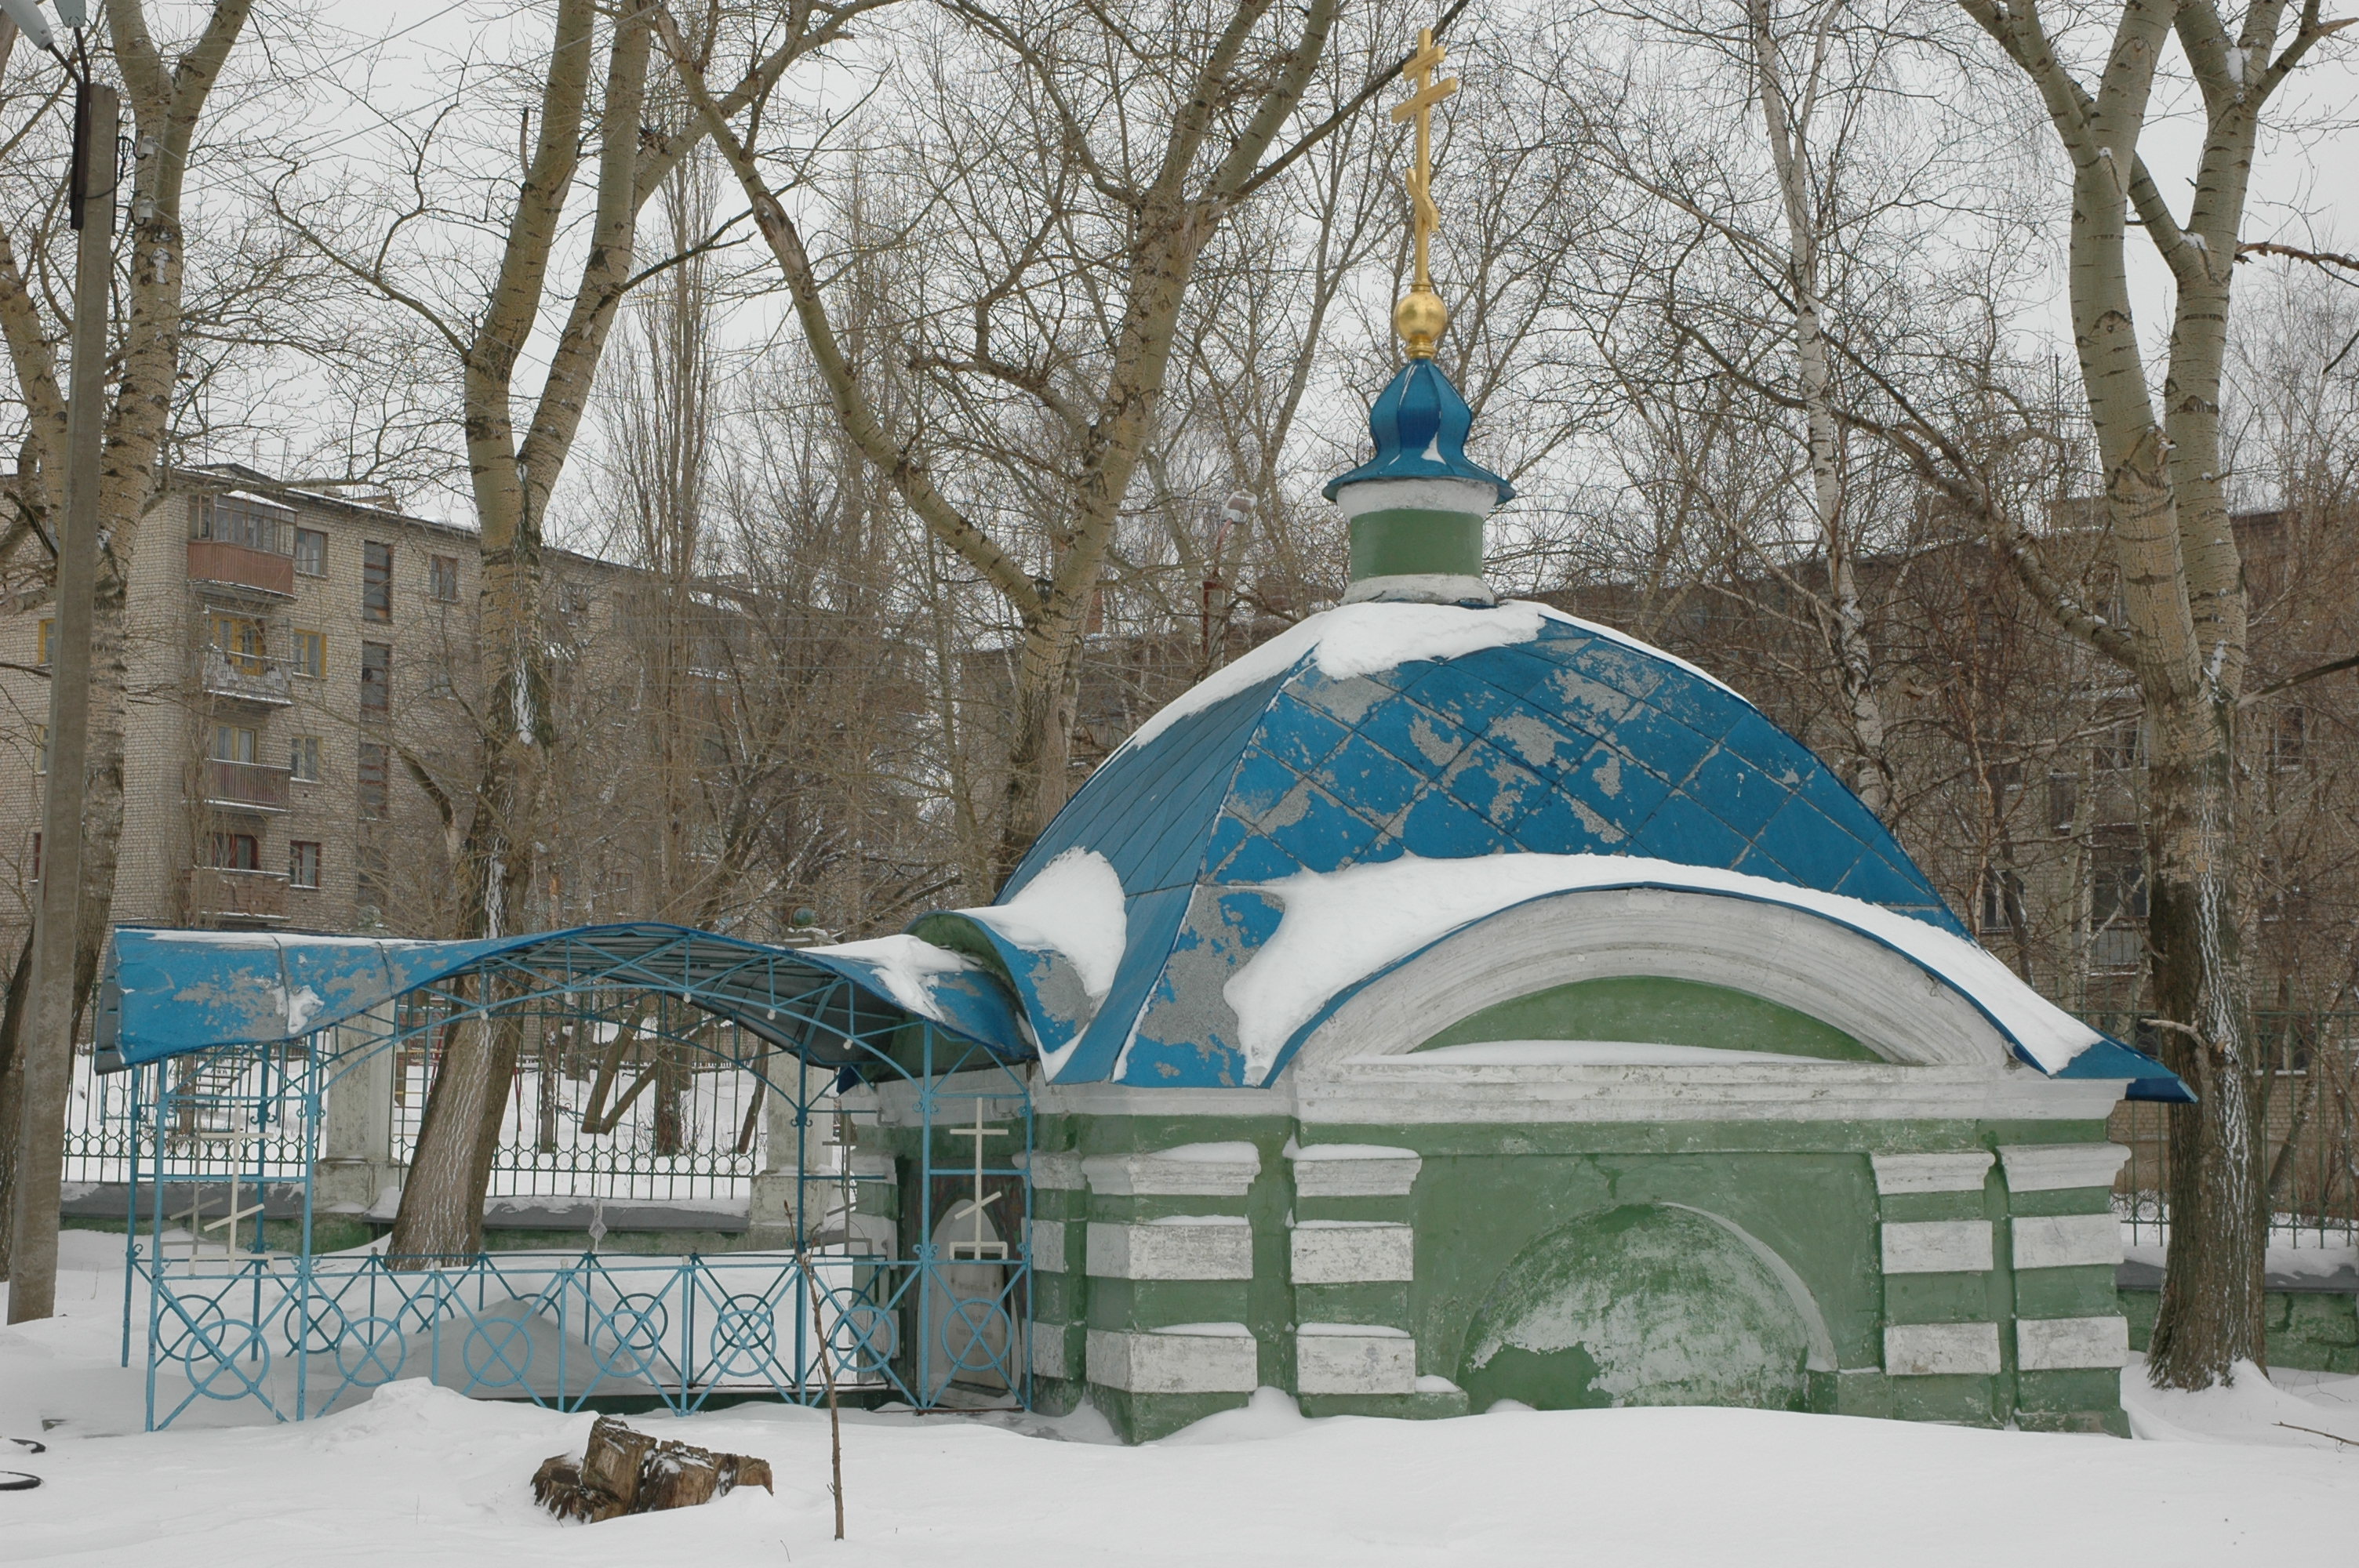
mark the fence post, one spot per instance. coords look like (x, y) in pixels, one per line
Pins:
(356, 1163)
(770, 1213)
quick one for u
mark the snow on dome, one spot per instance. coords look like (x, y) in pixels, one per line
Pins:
(1343, 926)
(1075, 907)
(1355, 640)
(1379, 731)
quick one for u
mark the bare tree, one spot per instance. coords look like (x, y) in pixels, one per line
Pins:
(167, 98)
(1138, 133)
(515, 463)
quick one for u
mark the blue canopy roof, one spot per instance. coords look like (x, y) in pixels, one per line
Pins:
(166, 992)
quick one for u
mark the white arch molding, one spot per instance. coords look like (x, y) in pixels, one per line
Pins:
(1818, 966)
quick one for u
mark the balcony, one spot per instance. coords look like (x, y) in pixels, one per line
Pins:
(237, 896)
(242, 565)
(246, 786)
(244, 679)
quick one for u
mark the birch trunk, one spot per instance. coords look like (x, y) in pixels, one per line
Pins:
(1841, 618)
(2183, 601)
(167, 106)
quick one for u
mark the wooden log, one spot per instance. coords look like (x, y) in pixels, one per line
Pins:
(557, 1485)
(614, 1459)
(678, 1476)
(627, 1472)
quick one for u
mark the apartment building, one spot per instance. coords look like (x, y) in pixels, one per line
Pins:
(297, 659)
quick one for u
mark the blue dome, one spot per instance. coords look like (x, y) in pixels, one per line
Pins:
(1383, 731)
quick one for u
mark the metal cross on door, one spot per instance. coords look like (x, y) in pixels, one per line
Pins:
(975, 1246)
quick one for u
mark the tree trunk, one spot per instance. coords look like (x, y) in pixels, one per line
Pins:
(167, 105)
(1841, 619)
(1040, 752)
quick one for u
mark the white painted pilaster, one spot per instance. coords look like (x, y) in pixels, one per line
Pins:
(1353, 1170)
(2057, 1343)
(1937, 1349)
(2066, 1241)
(1187, 1358)
(1960, 1171)
(2052, 1167)
(1048, 1242)
(1191, 1246)
(1345, 1252)
(1353, 1358)
(1937, 1246)
(1190, 1170)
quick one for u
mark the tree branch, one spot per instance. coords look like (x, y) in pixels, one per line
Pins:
(909, 478)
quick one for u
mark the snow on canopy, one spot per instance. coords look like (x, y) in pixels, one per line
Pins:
(169, 993)
(1380, 734)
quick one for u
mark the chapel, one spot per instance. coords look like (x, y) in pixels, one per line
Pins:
(1454, 1002)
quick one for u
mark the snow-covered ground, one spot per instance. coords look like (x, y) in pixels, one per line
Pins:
(419, 1476)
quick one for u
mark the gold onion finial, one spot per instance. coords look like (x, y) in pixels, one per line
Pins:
(1421, 316)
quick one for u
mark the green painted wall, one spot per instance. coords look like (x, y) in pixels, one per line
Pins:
(1510, 1220)
(1407, 541)
(1659, 1012)
(2316, 1331)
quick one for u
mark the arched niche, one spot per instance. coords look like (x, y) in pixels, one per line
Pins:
(1645, 1305)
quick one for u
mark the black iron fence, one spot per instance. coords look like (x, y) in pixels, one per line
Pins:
(2309, 1089)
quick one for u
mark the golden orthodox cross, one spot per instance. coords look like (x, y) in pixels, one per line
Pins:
(1419, 328)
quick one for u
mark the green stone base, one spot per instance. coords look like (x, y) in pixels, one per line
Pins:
(1952, 1400)
(1398, 1407)
(1862, 1393)
(1058, 1396)
(2081, 1399)
(1142, 1418)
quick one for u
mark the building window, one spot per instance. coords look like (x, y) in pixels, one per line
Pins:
(369, 874)
(303, 759)
(376, 581)
(236, 743)
(2117, 749)
(236, 852)
(376, 679)
(573, 600)
(372, 779)
(442, 578)
(2288, 739)
(437, 684)
(45, 642)
(311, 659)
(303, 863)
(2002, 899)
(247, 520)
(2063, 802)
(2116, 881)
(239, 638)
(311, 552)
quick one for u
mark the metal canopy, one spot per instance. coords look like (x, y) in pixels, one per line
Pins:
(169, 993)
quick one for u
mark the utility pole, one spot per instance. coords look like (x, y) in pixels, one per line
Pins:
(48, 1045)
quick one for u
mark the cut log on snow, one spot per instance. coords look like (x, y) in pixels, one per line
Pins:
(625, 1472)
